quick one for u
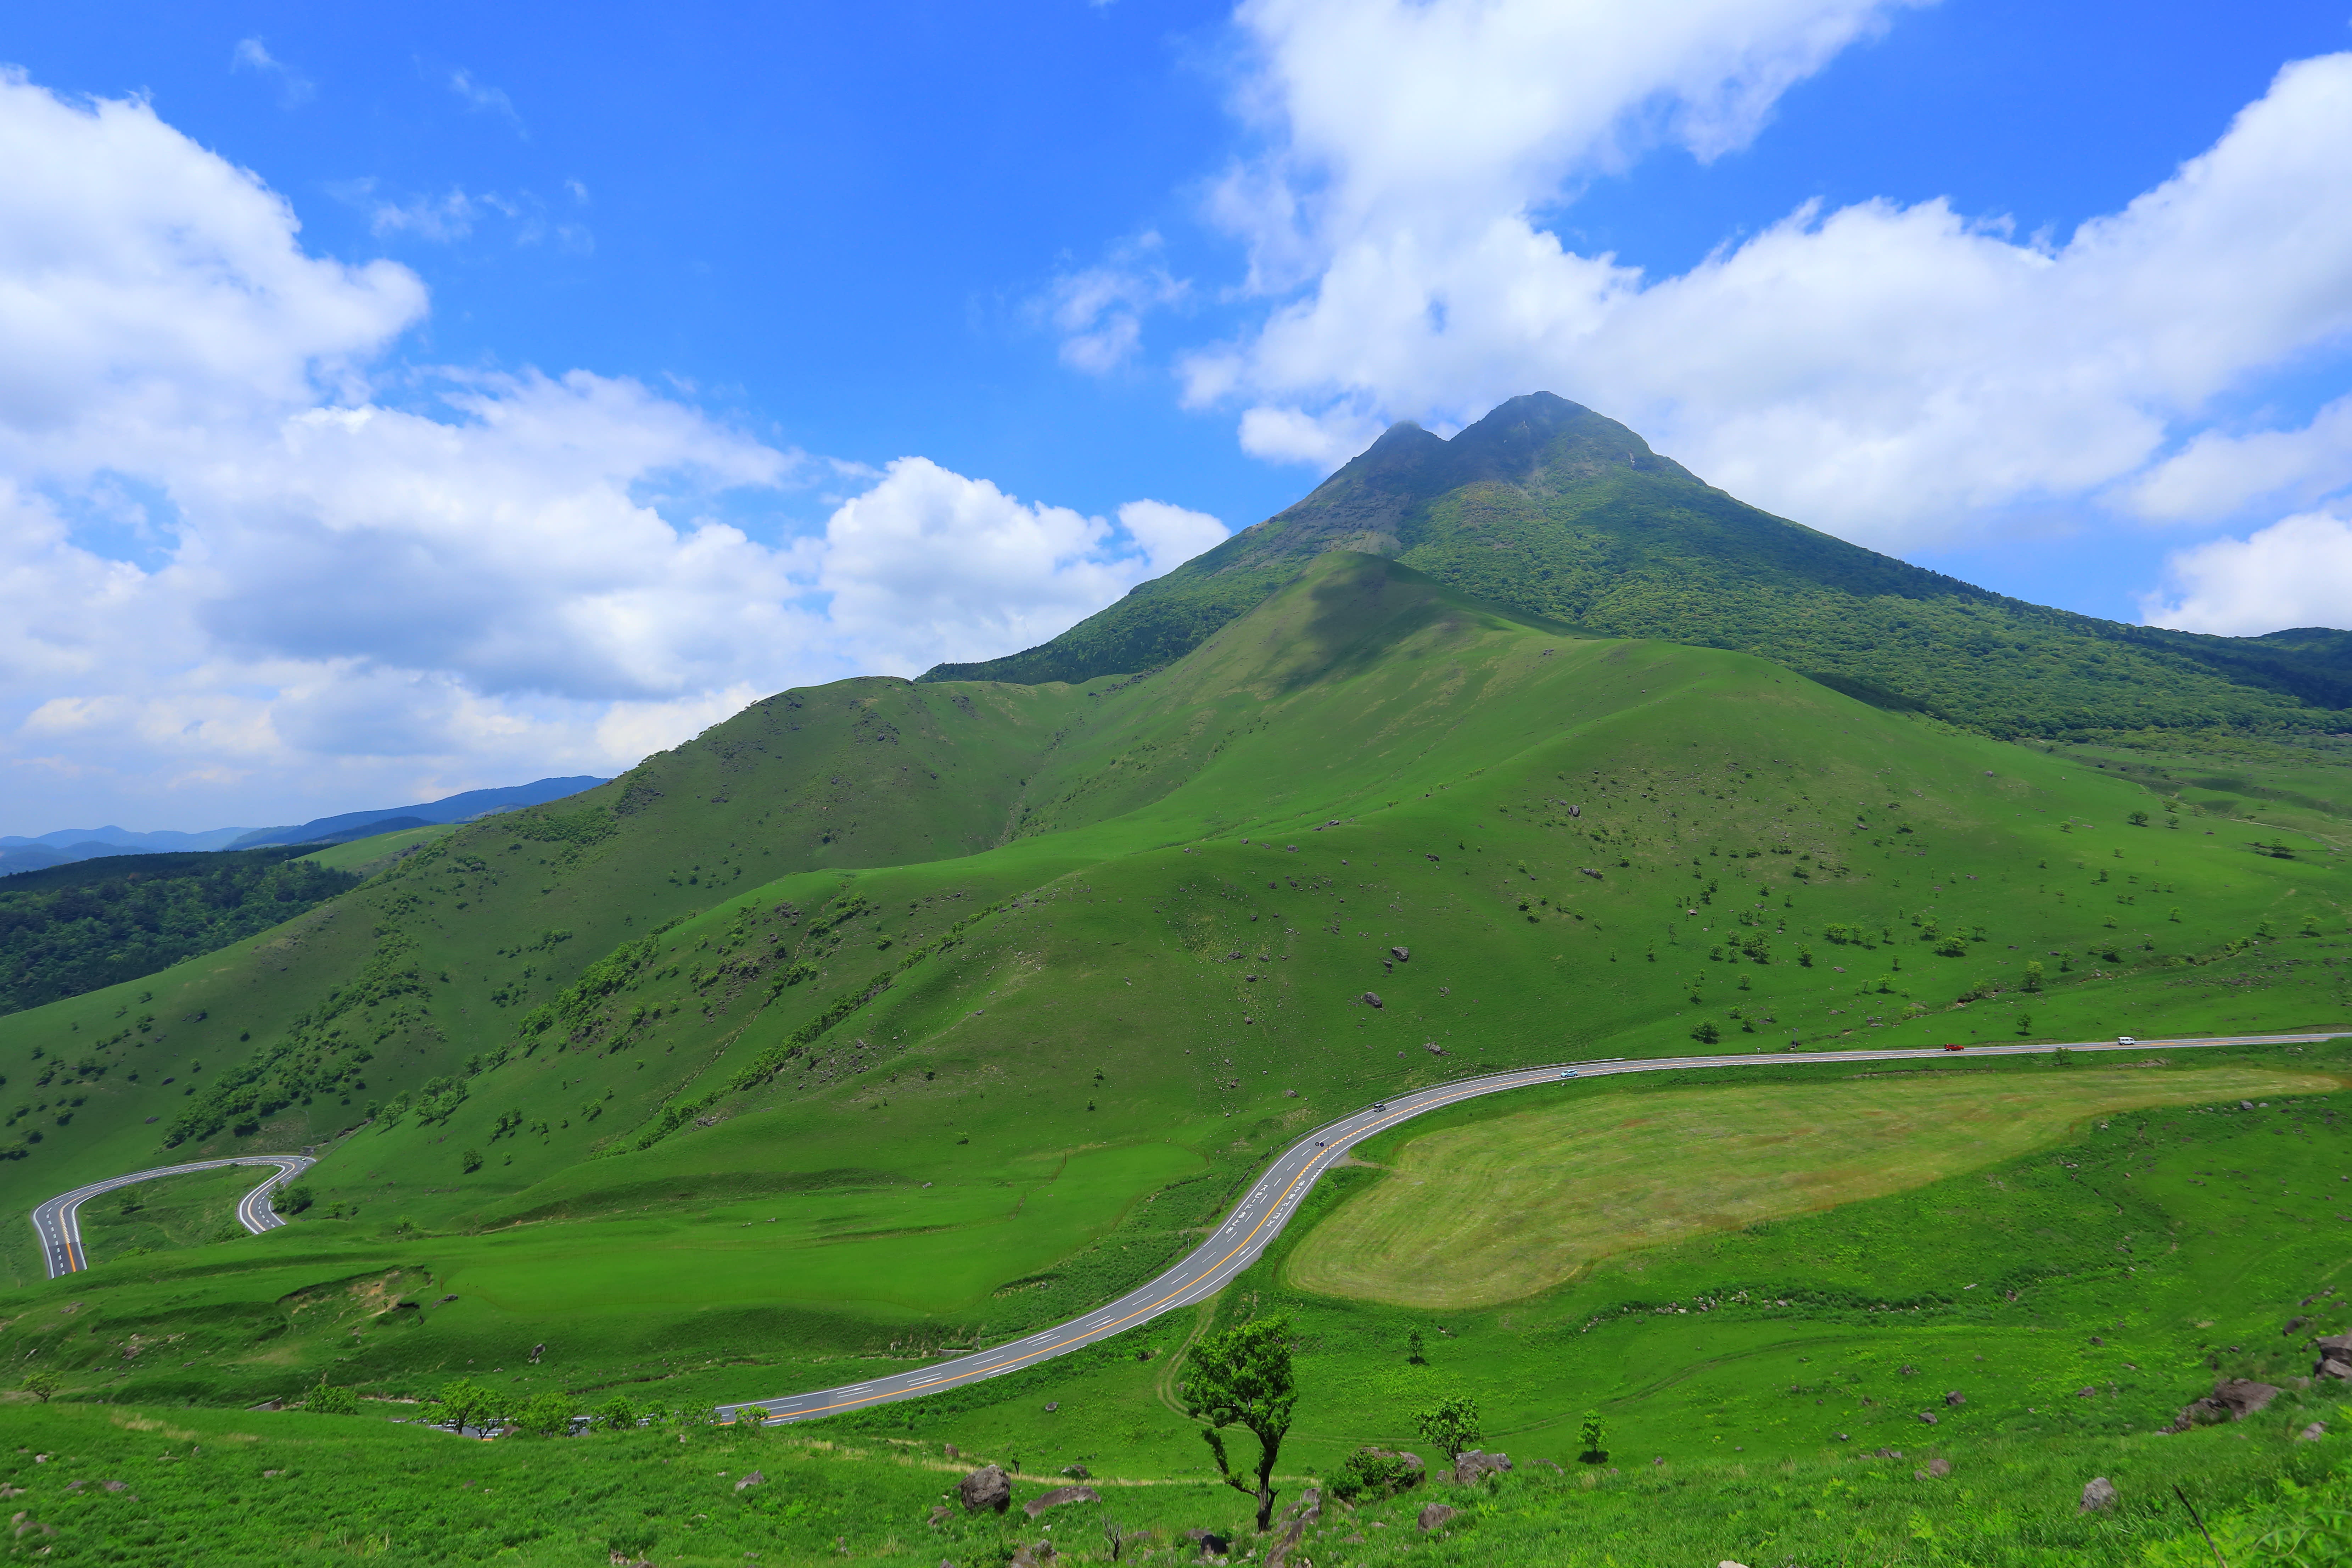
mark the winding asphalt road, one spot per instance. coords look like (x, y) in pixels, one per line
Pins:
(58, 1222)
(1276, 1195)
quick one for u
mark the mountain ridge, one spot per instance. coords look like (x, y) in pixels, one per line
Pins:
(1547, 508)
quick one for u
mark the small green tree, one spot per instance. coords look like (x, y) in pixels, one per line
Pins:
(465, 1402)
(328, 1400)
(2311, 925)
(41, 1382)
(1595, 1437)
(2024, 1025)
(470, 1160)
(546, 1414)
(617, 1415)
(1414, 1348)
(1804, 957)
(2137, 820)
(1705, 1032)
(1452, 1424)
(2033, 974)
(1242, 1377)
(291, 1200)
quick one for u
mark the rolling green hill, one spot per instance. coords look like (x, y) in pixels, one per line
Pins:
(1551, 509)
(1119, 935)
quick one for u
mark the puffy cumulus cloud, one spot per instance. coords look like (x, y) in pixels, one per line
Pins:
(2295, 572)
(929, 566)
(1895, 373)
(154, 296)
(238, 581)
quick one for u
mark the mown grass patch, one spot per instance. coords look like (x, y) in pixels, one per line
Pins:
(1515, 1204)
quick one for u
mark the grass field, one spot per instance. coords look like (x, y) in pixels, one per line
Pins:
(370, 855)
(886, 1019)
(193, 1210)
(1509, 1207)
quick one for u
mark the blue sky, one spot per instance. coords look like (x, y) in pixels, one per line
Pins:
(405, 402)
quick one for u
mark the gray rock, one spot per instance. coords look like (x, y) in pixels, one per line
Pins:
(1939, 1468)
(1473, 1467)
(1057, 1498)
(1927, 1416)
(1371, 999)
(1293, 1526)
(1954, 1399)
(1077, 1472)
(2242, 1396)
(2098, 1497)
(1401, 953)
(985, 1487)
(2334, 1357)
(951, 1450)
(2313, 1432)
(1434, 1515)
(753, 1478)
(1211, 1543)
(940, 1514)
(1035, 1556)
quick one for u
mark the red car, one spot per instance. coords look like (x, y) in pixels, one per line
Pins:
(1956, 1047)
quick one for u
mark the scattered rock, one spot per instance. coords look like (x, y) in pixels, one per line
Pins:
(2242, 1396)
(2098, 1497)
(1434, 1515)
(1474, 1466)
(1954, 1399)
(1077, 1472)
(1939, 1468)
(986, 1487)
(1886, 1453)
(1211, 1543)
(1401, 953)
(2334, 1357)
(753, 1478)
(2313, 1432)
(537, 1350)
(1371, 999)
(24, 1524)
(1907, 1371)
(1035, 1556)
(1292, 1527)
(1433, 1047)
(2292, 1324)
(2097, 1340)
(949, 1449)
(114, 1486)
(1059, 1496)
(1927, 1416)
(940, 1514)
(2085, 1393)
(1051, 1405)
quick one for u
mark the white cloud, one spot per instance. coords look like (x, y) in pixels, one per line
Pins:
(929, 566)
(2217, 473)
(1170, 535)
(294, 89)
(1896, 373)
(2295, 572)
(336, 599)
(482, 97)
(1099, 310)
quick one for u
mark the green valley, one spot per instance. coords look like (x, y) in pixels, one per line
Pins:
(887, 1019)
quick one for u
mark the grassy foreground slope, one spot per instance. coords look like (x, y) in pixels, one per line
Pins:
(1554, 510)
(639, 1096)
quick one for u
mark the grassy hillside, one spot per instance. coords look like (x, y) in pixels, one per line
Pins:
(907, 1014)
(1553, 510)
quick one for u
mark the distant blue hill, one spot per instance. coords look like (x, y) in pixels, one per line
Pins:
(454, 808)
(68, 845)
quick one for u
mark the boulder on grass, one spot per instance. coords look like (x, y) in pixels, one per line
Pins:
(2242, 1396)
(1434, 1515)
(2334, 1357)
(2098, 1497)
(1057, 1497)
(985, 1487)
(1473, 1467)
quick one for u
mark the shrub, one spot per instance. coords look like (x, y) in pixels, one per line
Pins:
(1951, 947)
(1369, 1473)
(291, 1200)
(328, 1400)
(470, 1160)
(1705, 1033)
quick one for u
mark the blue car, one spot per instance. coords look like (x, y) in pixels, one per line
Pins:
(1568, 1074)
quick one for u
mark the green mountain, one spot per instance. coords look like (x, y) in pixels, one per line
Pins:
(1548, 509)
(887, 1017)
